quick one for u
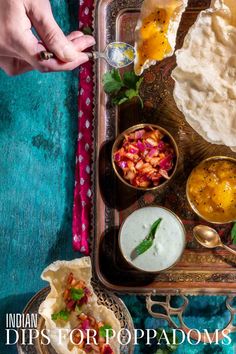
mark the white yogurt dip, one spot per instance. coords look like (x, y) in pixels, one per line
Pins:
(169, 241)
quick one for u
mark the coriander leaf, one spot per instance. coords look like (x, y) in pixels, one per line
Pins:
(130, 79)
(122, 90)
(78, 309)
(138, 84)
(76, 294)
(147, 242)
(62, 315)
(233, 234)
(105, 331)
(122, 100)
(131, 93)
(141, 101)
(112, 81)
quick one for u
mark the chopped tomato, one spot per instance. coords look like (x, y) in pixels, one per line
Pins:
(145, 158)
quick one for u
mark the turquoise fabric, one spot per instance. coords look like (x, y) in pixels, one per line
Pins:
(38, 137)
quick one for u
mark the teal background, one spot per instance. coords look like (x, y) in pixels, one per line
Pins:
(38, 137)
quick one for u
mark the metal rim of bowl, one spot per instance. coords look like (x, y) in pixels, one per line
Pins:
(132, 129)
(155, 271)
(193, 207)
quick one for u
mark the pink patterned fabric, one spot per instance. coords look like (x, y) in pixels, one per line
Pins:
(83, 192)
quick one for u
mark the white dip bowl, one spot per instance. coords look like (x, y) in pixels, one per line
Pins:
(168, 245)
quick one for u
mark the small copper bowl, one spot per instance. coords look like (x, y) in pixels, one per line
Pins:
(192, 205)
(118, 142)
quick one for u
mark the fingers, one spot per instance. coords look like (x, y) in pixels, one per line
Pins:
(83, 42)
(52, 36)
(55, 65)
(14, 66)
(80, 43)
(74, 35)
(21, 48)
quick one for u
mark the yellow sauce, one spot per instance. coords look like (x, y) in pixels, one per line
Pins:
(212, 190)
(129, 53)
(154, 42)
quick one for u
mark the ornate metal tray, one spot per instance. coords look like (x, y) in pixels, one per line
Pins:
(106, 298)
(200, 271)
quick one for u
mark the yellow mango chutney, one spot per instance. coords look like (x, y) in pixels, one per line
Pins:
(153, 43)
(211, 190)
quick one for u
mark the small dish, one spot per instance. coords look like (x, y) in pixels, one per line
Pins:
(211, 190)
(104, 298)
(168, 148)
(168, 245)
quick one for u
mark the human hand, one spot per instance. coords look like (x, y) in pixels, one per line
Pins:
(19, 48)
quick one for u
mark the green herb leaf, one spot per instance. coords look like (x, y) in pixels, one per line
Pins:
(121, 101)
(62, 315)
(112, 82)
(148, 241)
(138, 84)
(131, 93)
(143, 246)
(131, 80)
(105, 330)
(233, 234)
(78, 309)
(76, 294)
(122, 90)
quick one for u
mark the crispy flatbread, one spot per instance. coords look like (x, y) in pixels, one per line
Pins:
(205, 76)
(175, 9)
(56, 274)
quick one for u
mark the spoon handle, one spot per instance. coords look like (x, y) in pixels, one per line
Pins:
(45, 55)
(229, 249)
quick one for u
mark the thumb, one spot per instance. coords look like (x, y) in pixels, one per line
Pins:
(50, 33)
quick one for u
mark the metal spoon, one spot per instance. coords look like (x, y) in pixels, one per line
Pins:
(209, 238)
(117, 54)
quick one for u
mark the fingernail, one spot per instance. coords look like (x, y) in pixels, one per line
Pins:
(69, 52)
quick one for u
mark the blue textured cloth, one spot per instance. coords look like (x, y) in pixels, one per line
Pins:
(38, 136)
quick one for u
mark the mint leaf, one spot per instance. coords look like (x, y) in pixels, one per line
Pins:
(233, 234)
(61, 315)
(76, 294)
(105, 330)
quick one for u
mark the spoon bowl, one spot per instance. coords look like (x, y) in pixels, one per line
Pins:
(119, 54)
(209, 238)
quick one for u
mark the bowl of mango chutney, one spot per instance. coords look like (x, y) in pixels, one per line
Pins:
(211, 189)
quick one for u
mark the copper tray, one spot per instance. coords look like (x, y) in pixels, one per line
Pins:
(200, 271)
